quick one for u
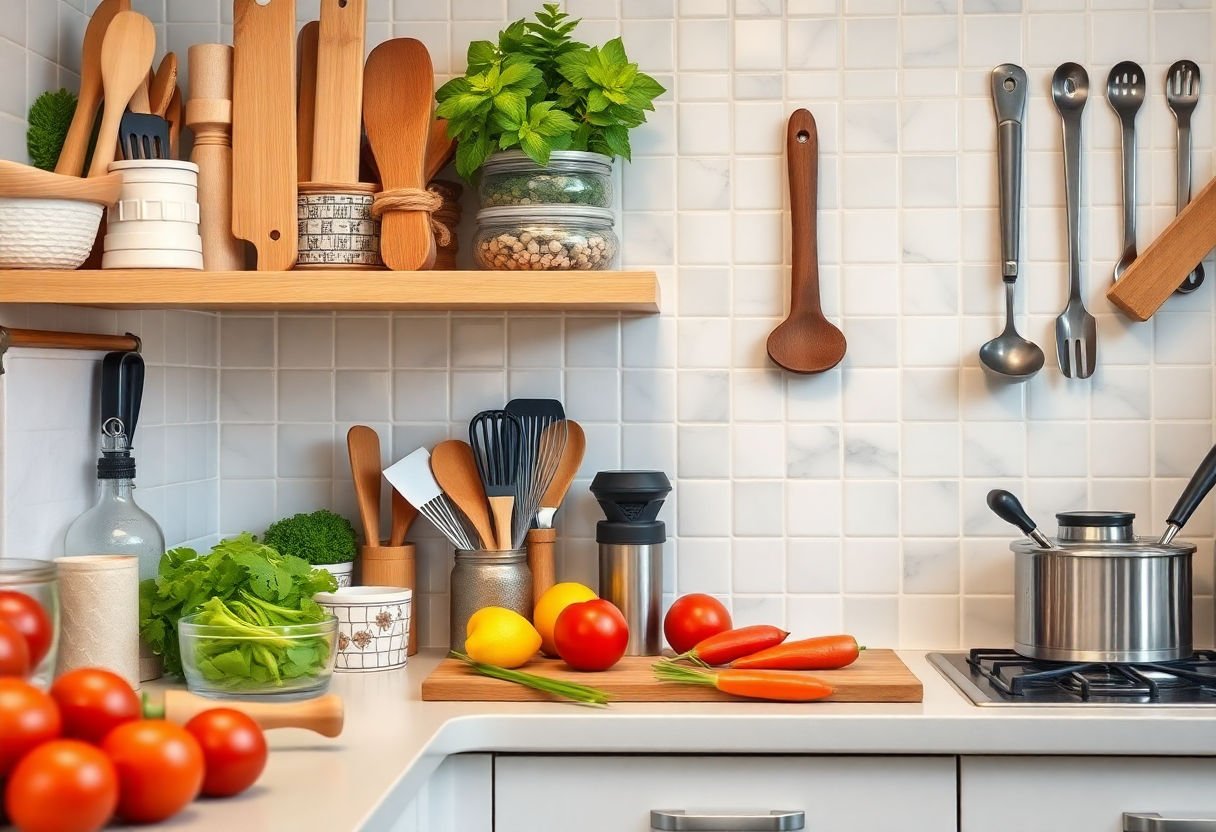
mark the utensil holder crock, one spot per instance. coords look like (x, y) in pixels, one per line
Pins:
(336, 227)
(386, 565)
(482, 578)
(154, 224)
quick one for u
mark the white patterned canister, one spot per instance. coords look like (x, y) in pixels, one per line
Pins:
(373, 626)
(336, 228)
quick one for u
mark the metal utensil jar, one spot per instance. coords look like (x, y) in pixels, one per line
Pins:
(1101, 594)
(488, 579)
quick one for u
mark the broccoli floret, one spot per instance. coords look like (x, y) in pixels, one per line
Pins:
(319, 538)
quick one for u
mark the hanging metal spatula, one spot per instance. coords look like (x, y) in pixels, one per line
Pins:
(495, 437)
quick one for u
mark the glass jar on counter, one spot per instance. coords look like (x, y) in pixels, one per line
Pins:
(569, 238)
(572, 177)
(36, 579)
(482, 578)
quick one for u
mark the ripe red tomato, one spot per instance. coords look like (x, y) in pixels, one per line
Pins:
(591, 635)
(93, 701)
(28, 718)
(234, 750)
(160, 769)
(14, 652)
(28, 617)
(62, 786)
(694, 618)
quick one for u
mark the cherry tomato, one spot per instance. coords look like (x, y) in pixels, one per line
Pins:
(694, 618)
(28, 718)
(160, 769)
(62, 786)
(591, 635)
(30, 619)
(93, 702)
(234, 750)
(14, 652)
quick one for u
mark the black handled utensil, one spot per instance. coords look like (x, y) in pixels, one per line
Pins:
(1009, 508)
(496, 436)
(1197, 488)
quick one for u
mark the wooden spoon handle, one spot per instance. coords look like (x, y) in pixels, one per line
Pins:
(323, 715)
(802, 156)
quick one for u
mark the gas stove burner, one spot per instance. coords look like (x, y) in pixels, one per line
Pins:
(1002, 677)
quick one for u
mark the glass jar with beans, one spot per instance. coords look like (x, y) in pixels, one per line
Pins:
(546, 238)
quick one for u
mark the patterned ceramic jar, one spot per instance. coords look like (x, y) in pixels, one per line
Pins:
(373, 626)
(336, 228)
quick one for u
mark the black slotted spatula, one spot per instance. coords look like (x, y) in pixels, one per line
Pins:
(495, 437)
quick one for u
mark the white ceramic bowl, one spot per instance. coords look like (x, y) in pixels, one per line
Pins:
(46, 233)
(373, 626)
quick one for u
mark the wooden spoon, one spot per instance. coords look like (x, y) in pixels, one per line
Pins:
(805, 342)
(126, 53)
(455, 470)
(567, 469)
(71, 157)
(440, 148)
(398, 94)
(18, 180)
(306, 97)
(363, 445)
(164, 84)
(404, 515)
(174, 116)
(323, 715)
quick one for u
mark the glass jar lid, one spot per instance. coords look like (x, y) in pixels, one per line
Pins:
(561, 161)
(527, 214)
(25, 571)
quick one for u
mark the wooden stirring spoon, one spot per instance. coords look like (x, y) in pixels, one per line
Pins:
(398, 94)
(76, 144)
(455, 470)
(363, 445)
(440, 148)
(404, 515)
(126, 53)
(164, 84)
(805, 342)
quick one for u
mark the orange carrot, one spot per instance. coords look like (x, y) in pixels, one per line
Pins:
(733, 644)
(775, 685)
(822, 653)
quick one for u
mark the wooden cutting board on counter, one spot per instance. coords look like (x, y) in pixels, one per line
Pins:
(876, 676)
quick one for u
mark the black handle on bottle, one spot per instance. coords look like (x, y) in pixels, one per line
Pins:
(1200, 484)
(1009, 508)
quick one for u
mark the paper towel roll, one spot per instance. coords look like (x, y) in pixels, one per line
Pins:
(99, 614)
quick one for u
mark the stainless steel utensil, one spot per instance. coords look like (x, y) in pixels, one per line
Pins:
(1125, 92)
(1182, 95)
(412, 476)
(542, 440)
(1099, 593)
(1009, 354)
(1076, 329)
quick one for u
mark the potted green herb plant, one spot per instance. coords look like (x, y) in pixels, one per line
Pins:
(323, 538)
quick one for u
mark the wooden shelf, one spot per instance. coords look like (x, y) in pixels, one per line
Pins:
(326, 289)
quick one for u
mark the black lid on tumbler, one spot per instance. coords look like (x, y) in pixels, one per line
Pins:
(631, 501)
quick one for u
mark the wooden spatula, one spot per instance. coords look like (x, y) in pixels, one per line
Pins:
(440, 148)
(126, 52)
(806, 341)
(164, 84)
(567, 469)
(336, 133)
(173, 115)
(455, 470)
(398, 93)
(403, 516)
(306, 97)
(264, 130)
(363, 445)
(71, 157)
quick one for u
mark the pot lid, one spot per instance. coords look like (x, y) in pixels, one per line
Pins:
(1137, 547)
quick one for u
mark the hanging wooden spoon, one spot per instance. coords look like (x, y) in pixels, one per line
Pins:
(126, 53)
(455, 470)
(76, 144)
(164, 84)
(363, 445)
(805, 342)
(398, 98)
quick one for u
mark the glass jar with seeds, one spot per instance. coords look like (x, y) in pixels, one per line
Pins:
(566, 238)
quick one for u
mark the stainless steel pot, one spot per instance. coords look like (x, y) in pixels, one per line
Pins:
(1098, 593)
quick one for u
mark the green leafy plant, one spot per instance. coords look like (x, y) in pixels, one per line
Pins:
(540, 90)
(50, 115)
(236, 569)
(321, 537)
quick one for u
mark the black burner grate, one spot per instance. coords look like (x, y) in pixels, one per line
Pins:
(1016, 675)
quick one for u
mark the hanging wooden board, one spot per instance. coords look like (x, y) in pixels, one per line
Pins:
(877, 676)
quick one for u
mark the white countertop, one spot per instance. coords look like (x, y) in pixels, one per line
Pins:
(393, 741)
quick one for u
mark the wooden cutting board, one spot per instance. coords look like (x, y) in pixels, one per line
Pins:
(877, 676)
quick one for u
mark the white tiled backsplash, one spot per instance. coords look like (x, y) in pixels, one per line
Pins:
(851, 500)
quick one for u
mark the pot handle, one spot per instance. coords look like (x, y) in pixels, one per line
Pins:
(1009, 508)
(1153, 822)
(1200, 484)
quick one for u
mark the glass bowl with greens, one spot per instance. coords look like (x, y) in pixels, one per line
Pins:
(228, 651)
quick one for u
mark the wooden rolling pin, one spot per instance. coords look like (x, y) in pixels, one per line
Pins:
(209, 115)
(1155, 274)
(323, 715)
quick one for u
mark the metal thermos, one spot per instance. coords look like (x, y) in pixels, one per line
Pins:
(631, 552)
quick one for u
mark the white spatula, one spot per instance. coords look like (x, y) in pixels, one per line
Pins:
(413, 478)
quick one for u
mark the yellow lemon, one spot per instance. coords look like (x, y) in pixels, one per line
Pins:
(501, 637)
(555, 599)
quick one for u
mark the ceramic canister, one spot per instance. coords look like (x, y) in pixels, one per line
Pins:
(154, 224)
(373, 626)
(336, 228)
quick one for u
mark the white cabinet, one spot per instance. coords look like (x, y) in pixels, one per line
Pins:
(1081, 794)
(459, 796)
(616, 794)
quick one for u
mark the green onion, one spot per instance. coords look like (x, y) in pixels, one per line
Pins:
(583, 694)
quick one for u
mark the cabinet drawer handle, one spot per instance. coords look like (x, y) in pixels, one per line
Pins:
(684, 821)
(1153, 822)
